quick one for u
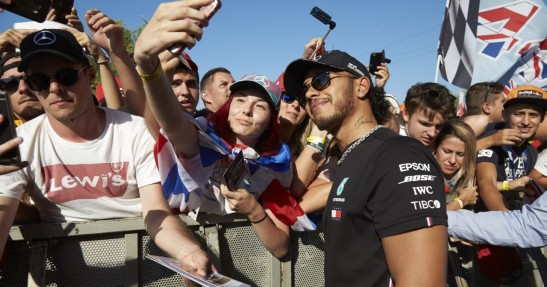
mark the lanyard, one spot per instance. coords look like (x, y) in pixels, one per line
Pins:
(510, 152)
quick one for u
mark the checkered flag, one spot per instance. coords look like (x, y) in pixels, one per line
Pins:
(457, 42)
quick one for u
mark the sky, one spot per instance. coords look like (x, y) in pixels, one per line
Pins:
(263, 37)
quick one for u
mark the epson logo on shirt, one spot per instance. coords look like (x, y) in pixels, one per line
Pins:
(419, 177)
(426, 204)
(404, 167)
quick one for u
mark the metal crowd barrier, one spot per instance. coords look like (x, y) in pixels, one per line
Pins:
(112, 253)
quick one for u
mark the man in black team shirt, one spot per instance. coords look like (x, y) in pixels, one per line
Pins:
(385, 219)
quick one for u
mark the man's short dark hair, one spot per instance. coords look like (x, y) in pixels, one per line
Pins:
(432, 97)
(480, 93)
(209, 76)
(181, 68)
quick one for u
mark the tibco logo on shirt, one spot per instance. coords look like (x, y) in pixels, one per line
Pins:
(85, 181)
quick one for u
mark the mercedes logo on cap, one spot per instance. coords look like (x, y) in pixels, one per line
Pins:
(44, 38)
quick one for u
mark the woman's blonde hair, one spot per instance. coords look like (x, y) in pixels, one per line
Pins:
(461, 130)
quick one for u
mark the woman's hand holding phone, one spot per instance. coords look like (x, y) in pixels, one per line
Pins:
(173, 23)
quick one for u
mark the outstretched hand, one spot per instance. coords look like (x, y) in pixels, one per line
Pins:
(107, 33)
(173, 23)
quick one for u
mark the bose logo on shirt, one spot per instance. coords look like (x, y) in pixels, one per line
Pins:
(422, 177)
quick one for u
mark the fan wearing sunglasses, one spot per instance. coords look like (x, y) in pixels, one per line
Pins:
(308, 147)
(370, 208)
(23, 101)
(86, 162)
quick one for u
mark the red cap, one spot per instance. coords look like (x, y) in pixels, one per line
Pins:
(279, 82)
(192, 64)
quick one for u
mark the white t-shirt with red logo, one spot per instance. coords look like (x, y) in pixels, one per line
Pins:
(94, 180)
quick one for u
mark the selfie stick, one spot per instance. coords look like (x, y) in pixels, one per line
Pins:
(325, 19)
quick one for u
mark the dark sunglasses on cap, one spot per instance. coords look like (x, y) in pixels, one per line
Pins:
(290, 99)
(41, 82)
(11, 84)
(321, 81)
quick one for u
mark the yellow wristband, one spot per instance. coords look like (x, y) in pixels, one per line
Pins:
(460, 202)
(505, 185)
(315, 139)
(154, 76)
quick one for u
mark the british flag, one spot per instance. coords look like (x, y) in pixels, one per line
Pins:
(492, 40)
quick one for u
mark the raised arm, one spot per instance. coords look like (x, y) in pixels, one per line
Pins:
(111, 90)
(109, 36)
(172, 23)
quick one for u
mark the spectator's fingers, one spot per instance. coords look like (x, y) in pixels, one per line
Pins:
(51, 15)
(5, 147)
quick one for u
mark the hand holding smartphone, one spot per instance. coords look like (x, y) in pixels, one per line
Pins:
(235, 172)
(7, 133)
(35, 10)
(376, 59)
(209, 11)
(62, 8)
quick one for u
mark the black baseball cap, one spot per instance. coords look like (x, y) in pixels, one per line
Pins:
(335, 59)
(53, 41)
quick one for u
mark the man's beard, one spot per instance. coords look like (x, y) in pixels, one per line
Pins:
(342, 107)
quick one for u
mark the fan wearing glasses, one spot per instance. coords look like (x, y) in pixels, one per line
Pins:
(427, 107)
(85, 162)
(372, 206)
(23, 101)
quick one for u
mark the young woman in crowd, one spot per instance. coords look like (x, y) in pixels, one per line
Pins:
(455, 150)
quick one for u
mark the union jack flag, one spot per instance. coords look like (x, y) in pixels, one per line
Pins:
(494, 40)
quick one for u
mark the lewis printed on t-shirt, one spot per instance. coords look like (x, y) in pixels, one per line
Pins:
(85, 181)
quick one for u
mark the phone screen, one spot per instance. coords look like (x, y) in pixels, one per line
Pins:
(7, 132)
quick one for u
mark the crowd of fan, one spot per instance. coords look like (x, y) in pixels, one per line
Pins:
(138, 146)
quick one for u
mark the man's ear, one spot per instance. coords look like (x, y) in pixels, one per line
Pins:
(406, 117)
(486, 108)
(364, 87)
(204, 96)
(90, 73)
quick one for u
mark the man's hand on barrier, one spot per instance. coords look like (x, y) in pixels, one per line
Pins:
(198, 259)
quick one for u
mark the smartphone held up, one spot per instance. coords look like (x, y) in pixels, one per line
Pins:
(37, 10)
(377, 59)
(209, 11)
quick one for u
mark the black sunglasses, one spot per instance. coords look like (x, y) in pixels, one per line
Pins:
(41, 82)
(11, 84)
(321, 81)
(290, 99)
